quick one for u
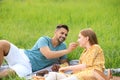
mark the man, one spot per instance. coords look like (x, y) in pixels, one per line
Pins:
(46, 52)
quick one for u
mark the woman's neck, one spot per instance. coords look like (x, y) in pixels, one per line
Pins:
(88, 46)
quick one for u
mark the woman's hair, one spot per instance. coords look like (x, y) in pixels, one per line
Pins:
(91, 34)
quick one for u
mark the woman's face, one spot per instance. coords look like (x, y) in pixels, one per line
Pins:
(82, 40)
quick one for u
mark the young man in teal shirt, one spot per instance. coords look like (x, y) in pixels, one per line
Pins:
(46, 52)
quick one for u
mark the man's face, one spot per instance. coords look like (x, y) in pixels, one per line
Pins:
(61, 34)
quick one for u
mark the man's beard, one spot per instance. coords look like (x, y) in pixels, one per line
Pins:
(61, 39)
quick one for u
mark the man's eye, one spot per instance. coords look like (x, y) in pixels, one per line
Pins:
(63, 33)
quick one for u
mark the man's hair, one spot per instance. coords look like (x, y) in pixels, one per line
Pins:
(63, 26)
(91, 34)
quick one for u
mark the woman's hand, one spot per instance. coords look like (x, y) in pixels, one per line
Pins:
(63, 69)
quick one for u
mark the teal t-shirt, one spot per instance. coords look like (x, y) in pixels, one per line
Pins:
(37, 59)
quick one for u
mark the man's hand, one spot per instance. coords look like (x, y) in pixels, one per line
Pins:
(72, 46)
(55, 67)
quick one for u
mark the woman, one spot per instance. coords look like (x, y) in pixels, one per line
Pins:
(91, 62)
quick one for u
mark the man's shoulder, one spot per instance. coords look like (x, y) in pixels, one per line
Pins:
(45, 37)
(63, 45)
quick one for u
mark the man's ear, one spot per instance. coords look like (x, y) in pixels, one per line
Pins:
(55, 31)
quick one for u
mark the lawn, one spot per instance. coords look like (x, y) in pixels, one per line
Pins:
(22, 22)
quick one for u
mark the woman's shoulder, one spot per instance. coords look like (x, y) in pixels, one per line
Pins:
(96, 46)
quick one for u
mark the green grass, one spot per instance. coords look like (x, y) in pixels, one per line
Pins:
(22, 22)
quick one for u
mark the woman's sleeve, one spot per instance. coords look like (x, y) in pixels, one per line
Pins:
(95, 57)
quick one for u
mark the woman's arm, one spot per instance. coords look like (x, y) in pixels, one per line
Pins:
(73, 68)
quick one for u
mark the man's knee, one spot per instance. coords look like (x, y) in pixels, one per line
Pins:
(7, 72)
(4, 46)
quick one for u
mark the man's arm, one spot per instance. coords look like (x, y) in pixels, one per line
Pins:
(52, 54)
(55, 54)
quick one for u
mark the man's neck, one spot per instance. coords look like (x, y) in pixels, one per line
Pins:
(54, 42)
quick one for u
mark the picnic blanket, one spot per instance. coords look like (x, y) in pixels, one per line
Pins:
(72, 62)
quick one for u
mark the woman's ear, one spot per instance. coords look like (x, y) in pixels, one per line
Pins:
(87, 38)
